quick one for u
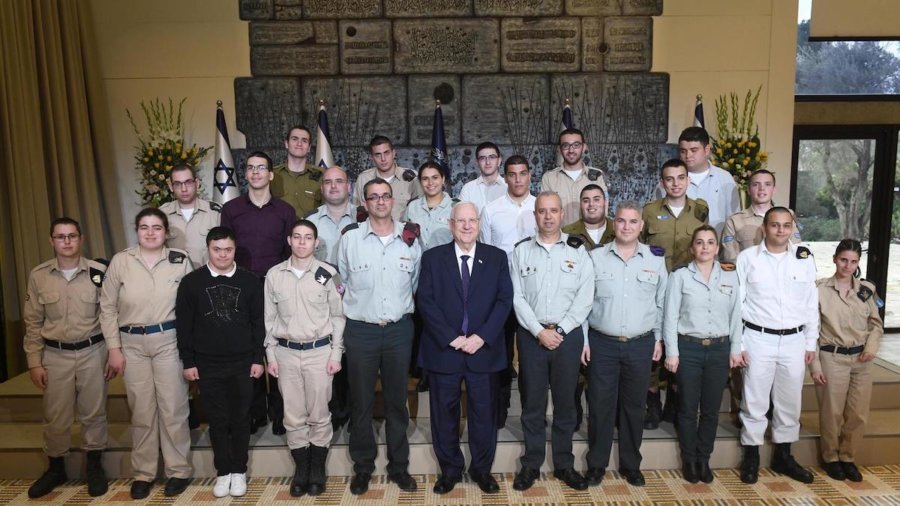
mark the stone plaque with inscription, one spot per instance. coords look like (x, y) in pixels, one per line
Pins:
(446, 45)
(288, 9)
(592, 46)
(265, 108)
(293, 60)
(256, 9)
(594, 7)
(540, 45)
(280, 32)
(365, 47)
(359, 107)
(427, 8)
(642, 7)
(518, 7)
(505, 109)
(338, 9)
(630, 43)
(423, 92)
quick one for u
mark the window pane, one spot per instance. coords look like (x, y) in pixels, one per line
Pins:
(892, 297)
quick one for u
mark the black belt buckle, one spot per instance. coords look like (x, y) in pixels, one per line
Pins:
(148, 329)
(843, 350)
(775, 332)
(309, 345)
(80, 345)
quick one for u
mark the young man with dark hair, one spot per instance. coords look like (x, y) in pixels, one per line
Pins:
(573, 175)
(297, 181)
(488, 186)
(190, 217)
(403, 182)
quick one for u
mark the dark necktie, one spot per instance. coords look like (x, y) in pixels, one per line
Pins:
(465, 290)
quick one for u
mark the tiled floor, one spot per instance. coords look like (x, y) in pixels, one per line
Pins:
(881, 485)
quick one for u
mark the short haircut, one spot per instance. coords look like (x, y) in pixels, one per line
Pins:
(629, 204)
(306, 223)
(777, 209)
(183, 166)
(64, 220)
(151, 211)
(694, 134)
(762, 171)
(591, 187)
(287, 136)
(487, 145)
(547, 194)
(672, 162)
(515, 160)
(373, 182)
(704, 228)
(378, 140)
(430, 164)
(219, 233)
(260, 154)
(570, 131)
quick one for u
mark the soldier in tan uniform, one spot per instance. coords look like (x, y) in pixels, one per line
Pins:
(404, 182)
(137, 315)
(297, 181)
(304, 343)
(66, 355)
(849, 335)
(190, 217)
(573, 175)
(594, 227)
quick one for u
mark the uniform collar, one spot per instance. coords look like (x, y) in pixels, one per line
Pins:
(832, 282)
(641, 249)
(200, 206)
(367, 229)
(82, 265)
(444, 203)
(512, 202)
(480, 180)
(791, 249)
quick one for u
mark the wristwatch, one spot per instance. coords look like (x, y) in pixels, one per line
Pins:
(560, 331)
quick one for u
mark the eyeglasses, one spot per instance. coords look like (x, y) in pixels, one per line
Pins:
(64, 238)
(379, 198)
(571, 145)
(469, 221)
(177, 185)
(257, 168)
(485, 158)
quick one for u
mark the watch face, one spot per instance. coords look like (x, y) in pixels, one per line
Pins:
(560, 331)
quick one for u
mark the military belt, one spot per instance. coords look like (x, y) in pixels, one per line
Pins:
(80, 345)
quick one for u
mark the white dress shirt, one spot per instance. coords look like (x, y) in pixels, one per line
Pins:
(481, 193)
(504, 222)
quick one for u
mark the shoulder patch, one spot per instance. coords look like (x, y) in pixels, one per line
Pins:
(315, 174)
(727, 266)
(575, 241)
(97, 276)
(322, 276)
(408, 175)
(864, 293)
(454, 201)
(522, 241)
(727, 239)
(215, 206)
(176, 257)
(410, 232)
(594, 174)
(701, 210)
(352, 226)
(362, 214)
(680, 266)
(658, 251)
(803, 252)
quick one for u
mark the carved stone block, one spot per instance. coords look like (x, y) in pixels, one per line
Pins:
(518, 7)
(338, 9)
(593, 7)
(446, 45)
(293, 60)
(266, 108)
(359, 107)
(280, 32)
(288, 9)
(540, 45)
(630, 42)
(592, 46)
(256, 9)
(423, 92)
(365, 47)
(427, 8)
(642, 7)
(505, 109)
(326, 32)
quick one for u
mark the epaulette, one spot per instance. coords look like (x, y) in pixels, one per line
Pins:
(352, 226)
(803, 252)
(680, 266)
(410, 232)
(575, 241)
(105, 262)
(315, 174)
(520, 242)
(176, 257)
(701, 211)
(408, 175)
(411, 200)
(727, 266)
(594, 174)
(362, 214)
(98, 275)
(215, 206)
(322, 276)
(454, 201)
(658, 251)
(864, 293)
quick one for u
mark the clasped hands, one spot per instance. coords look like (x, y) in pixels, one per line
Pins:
(469, 344)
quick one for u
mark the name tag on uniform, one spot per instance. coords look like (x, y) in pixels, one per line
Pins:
(568, 265)
(726, 289)
(648, 276)
(662, 216)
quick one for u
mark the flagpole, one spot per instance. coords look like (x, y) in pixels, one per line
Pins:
(224, 174)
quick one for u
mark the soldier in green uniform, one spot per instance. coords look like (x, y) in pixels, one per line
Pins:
(594, 227)
(296, 181)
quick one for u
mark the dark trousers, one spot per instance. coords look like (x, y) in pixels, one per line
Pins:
(618, 374)
(371, 349)
(558, 369)
(702, 373)
(226, 391)
(506, 376)
(265, 404)
(481, 405)
(340, 393)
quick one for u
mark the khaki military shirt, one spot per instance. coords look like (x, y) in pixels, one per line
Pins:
(578, 228)
(404, 186)
(61, 310)
(329, 231)
(132, 294)
(848, 321)
(434, 223)
(191, 235)
(662, 228)
(304, 309)
(744, 229)
(301, 190)
(569, 190)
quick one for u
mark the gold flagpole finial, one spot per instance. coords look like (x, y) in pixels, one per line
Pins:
(218, 103)
(437, 102)
(321, 102)
(568, 102)
(699, 97)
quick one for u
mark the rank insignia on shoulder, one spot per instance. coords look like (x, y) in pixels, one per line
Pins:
(315, 175)
(322, 276)
(803, 252)
(409, 175)
(727, 266)
(215, 206)
(97, 277)
(727, 239)
(658, 251)
(410, 232)
(362, 214)
(864, 293)
(352, 226)
(594, 174)
(176, 257)
(523, 240)
(575, 241)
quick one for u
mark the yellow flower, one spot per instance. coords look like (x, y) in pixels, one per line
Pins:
(746, 161)
(752, 144)
(146, 159)
(168, 168)
(731, 160)
(741, 143)
(719, 151)
(728, 145)
(156, 165)
(183, 155)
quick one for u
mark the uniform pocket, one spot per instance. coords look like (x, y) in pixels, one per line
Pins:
(50, 301)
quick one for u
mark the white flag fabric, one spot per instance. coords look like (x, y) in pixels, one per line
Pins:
(324, 158)
(224, 177)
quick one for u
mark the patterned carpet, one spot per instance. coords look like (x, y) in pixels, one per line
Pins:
(881, 485)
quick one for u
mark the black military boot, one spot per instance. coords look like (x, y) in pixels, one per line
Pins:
(750, 465)
(300, 483)
(54, 476)
(317, 476)
(96, 477)
(783, 462)
(670, 410)
(654, 411)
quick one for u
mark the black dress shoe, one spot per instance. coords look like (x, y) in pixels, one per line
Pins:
(634, 477)
(278, 427)
(851, 471)
(572, 478)
(403, 480)
(359, 485)
(594, 475)
(257, 423)
(786, 465)
(705, 473)
(689, 472)
(445, 484)
(140, 489)
(750, 465)
(485, 482)
(834, 470)
(175, 486)
(525, 478)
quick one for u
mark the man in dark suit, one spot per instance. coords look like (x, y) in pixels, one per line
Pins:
(465, 294)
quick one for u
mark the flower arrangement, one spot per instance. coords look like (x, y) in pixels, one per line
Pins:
(736, 148)
(162, 148)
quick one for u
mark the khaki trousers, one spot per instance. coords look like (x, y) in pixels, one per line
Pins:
(306, 389)
(158, 398)
(75, 385)
(843, 404)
